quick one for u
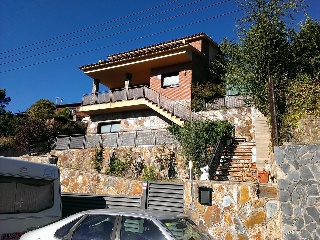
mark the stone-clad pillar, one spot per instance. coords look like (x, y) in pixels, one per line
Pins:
(95, 86)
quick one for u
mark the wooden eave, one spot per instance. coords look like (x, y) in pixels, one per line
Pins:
(112, 74)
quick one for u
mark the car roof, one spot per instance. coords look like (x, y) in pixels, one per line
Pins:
(136, 213)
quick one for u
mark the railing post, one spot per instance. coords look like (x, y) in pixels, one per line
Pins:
(173, 109)
(135, 139)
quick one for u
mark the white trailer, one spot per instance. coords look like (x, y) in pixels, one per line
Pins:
(30, 196)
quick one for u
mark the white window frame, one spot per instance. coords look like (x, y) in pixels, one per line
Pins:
(113, 127)
(170, 79)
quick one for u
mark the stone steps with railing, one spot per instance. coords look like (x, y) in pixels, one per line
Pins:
(236, 163)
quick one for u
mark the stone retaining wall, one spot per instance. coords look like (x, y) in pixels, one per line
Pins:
(298, 169)
(238, 210)
(243, 119)
(77, 181)
(287, 209)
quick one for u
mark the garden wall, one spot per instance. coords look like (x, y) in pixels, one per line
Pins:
(298, 168)
(237, 211)
(243, 119)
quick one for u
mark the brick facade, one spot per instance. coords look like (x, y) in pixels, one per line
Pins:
(197, 44)
(181, 92)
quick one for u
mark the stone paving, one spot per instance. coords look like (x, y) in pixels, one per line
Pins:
(298, 181)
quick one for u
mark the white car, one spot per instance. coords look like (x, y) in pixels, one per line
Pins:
(119, 224)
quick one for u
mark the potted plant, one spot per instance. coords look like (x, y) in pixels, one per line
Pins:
(263, 176)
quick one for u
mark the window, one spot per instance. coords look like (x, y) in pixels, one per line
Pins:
(21, 195)
(64, 230)
(109, 127)
(137, 228)
(183, 228)
(170, 79)
(97, 227)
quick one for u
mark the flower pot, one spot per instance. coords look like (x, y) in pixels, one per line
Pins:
(263, 176)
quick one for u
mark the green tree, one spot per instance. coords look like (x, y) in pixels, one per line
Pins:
(305, 48)
(261, 64)
(4, 100)
(41, 126)
(42, 109)
(213, 86)
(198, 139)
(65, 113)
(35, 135)
(9, 123)
(302, 96)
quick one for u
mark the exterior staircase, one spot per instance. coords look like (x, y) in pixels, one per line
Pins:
(165, 113)
(263, 141)
(236, 162)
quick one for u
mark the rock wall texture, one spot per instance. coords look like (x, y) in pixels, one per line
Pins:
(77, 181)
(83, 159)
(242, 118)
(133, 120)
(287, 209)
(238, 210)
(308, 130)
(298, 181)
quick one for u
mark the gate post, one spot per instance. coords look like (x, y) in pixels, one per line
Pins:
(144, 195)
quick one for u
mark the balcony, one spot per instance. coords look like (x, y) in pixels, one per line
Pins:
(115, 95)
(134, 98)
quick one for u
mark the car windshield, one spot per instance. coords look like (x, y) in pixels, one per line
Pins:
(183, 228)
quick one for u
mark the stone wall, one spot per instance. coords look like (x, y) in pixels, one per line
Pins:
(130, 121)
(83, 160)
(237, 211)
(298, 175)
(308, 130)
(243, 119)
(77, 181)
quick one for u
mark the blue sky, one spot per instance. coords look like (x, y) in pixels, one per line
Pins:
(43, 42)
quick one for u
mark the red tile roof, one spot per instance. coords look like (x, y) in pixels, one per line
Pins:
(172, 44)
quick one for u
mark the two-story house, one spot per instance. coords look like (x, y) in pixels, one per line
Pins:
(149, 89)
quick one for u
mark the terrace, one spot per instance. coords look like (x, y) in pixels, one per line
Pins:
(134, 98)
(142, 97)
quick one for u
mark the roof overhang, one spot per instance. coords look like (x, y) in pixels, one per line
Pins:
(112, 74)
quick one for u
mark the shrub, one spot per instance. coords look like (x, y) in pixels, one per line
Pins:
(198, 139)
(98, 159)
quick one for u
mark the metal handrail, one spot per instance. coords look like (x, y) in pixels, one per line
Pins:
(216, 156)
